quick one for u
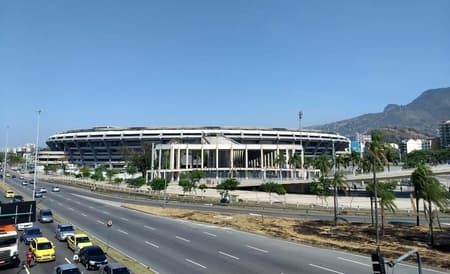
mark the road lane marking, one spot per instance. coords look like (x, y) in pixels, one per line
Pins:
(67, 260)
(183, 239)
(121, 231)
(125, 219)
(210, 234)
(71, 208)
(91, 207)
(327, 269)
(26, 269)
(228, 255)
(197, 264)
(100, 222)
(149, 227)
(60, 204)
(355, 262)
(258, 249)
(106, 212)
(84, 214)
(152, 244)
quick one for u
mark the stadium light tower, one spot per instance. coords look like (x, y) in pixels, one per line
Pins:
(300, 116)
(6, 153)
(36, 149)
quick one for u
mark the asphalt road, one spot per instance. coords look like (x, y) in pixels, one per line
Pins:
(178, 246)
(63, 254)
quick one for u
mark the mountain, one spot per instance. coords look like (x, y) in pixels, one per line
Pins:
(396, 135)
(423, 114)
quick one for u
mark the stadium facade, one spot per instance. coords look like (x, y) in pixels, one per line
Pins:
(218, 151)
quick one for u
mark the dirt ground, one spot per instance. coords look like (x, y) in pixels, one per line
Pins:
(357, 237)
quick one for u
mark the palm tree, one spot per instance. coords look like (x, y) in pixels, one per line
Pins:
(419, 178)
(295, 161)
(323, 163)
(376, 153)
(279, 161)
(387, 197)
(338, 183)
(435, 192)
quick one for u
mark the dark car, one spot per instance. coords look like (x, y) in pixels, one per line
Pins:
(115, 268)
(38, 194)
(29, 234)
(45, 216)
(17, 199)
(92, 257)
(67, 269)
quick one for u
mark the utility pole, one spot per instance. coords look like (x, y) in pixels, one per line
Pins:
(36, 149)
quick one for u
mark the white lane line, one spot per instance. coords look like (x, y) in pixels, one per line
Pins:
(355, 262)
(26, 269)
(197, 264)
(152, 244)
(71, 208)
(67, 260)
(100, 222)
(84, 214)
(125, 219)
(121, 231)
(183, 239)
(149, 227)
(210, 234)
(327, 269)
(60, 204)
(258, 249)
(68, 199)
(91, 207)
(228, 255)
(106, 212)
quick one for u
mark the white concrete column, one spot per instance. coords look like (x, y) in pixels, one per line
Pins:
(201, 158)
(178, 158)
(231, 158)
(217, 162)
(246, 157)
(261, 159)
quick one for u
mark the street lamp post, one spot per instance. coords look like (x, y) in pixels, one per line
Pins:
(300, 116)
(6, 153)
(36, 149)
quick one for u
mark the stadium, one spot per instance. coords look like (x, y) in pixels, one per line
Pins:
(218, 151)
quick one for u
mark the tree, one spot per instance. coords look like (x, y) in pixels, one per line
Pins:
(227, 185)
(322, 187)
(419, 178)
(131, 169)
(98, 173)
(135, 182)
(110, 174)
(386, 196)
(376, 154)
(269, 187)
(391, 155)
(338, 183)
(323, 163)
(355, 160)
(295, 161)
(186, 183)
(85, 171)
(141, 159)
(280, 160)
(158, 184)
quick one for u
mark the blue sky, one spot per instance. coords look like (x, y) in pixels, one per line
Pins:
(232, 63)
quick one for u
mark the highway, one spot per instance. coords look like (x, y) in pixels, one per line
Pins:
(177, 246)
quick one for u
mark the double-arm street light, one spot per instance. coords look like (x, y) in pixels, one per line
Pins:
(36, 149)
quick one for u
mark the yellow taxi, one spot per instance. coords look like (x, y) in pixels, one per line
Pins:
(9, 194)
(43, 250)
(79, 239)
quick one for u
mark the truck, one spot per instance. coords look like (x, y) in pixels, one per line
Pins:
(9, 246)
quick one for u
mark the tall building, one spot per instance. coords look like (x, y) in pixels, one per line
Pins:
(444, 132)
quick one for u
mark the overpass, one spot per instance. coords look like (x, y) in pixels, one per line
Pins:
(395, 172)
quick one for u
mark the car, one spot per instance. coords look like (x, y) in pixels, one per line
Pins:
(13, 176)
(92, 257)
(22, 226)
(9, 194)
(55, 189)
(17, 199)
(43, 250)
(45, 216)
(29, 234)
(79, 239)
(38, 194)
(66, 269)
(24, 183)
(63, 231)
(43, 190)
(22, 178)
(31, 182)
(115, 268)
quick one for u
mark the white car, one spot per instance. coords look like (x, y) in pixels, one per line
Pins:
(43, 190)
(55, 189)
(24, 183)
(22, 226)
